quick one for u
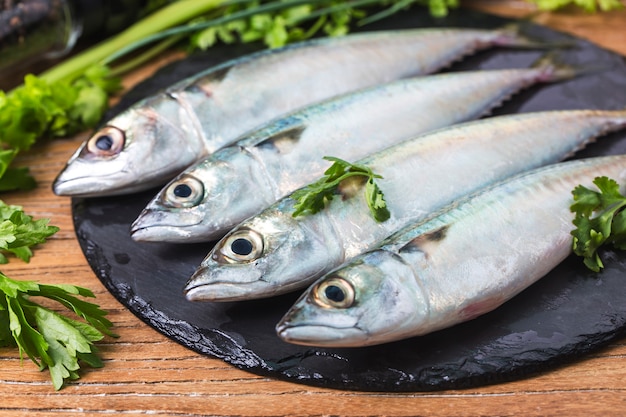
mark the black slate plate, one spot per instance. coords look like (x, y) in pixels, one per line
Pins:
(567, 314)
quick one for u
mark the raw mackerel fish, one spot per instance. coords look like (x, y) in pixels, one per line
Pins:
(157, 138)
(463, 262)
(215, 194)
(273, 252)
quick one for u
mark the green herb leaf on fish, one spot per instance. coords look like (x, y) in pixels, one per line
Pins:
(600, 220)
(51, 340)
(376, 201)
(313, 198)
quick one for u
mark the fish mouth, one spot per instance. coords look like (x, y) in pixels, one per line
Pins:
(80, 178)
(320, 335)
(81, 186)
(93, 185)
(199, 288)
(219, 292)
(174, 233)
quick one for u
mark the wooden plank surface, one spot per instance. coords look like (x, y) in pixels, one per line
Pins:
(146, 373)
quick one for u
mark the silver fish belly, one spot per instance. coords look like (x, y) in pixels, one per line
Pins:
(273, 252)
(465, 261)
(148, 144)
(214, 195)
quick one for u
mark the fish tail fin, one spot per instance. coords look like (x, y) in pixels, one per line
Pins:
(554, 69)
(512, 34)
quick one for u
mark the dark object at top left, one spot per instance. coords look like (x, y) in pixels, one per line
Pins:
(35, 32)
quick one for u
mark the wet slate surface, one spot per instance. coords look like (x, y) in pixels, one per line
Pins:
(567, 314)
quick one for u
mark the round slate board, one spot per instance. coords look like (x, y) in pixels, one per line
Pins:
(568, 313)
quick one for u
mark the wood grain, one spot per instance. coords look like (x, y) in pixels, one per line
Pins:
(146, 373)
(605, 29)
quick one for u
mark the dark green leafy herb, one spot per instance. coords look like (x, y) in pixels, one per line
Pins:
(313, 198)
(18, 232)
(49, 339)
(283, 26)
(600, 220)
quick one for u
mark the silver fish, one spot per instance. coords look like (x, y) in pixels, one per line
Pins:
(213, 195)
(463, 262)
(154, 140)
(273, 252)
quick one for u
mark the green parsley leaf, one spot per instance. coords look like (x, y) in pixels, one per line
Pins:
(49, 339)
(17, 179)
(376, 201)
(314, 197)
(590, 6)
(18, 232)
(289, 20)
(607, 226)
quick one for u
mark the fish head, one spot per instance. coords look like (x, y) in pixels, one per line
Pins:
(362, 303)
(140, 148)
(205, 201)
(269, 254)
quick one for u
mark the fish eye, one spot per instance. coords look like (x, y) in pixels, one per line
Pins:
(335, 292)
(188, 191)
(242, 246)
(108, 141)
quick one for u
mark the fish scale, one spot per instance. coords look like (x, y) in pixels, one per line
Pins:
(419, 176)
(462, 262)
(161, 135)
(286, 154)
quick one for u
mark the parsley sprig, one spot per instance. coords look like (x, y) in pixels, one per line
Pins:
(313, 198)
(18, 232)
(607, 226)
(590, 6)
(51, 340)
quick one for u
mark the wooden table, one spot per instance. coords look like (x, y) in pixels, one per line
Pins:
(147, 373)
